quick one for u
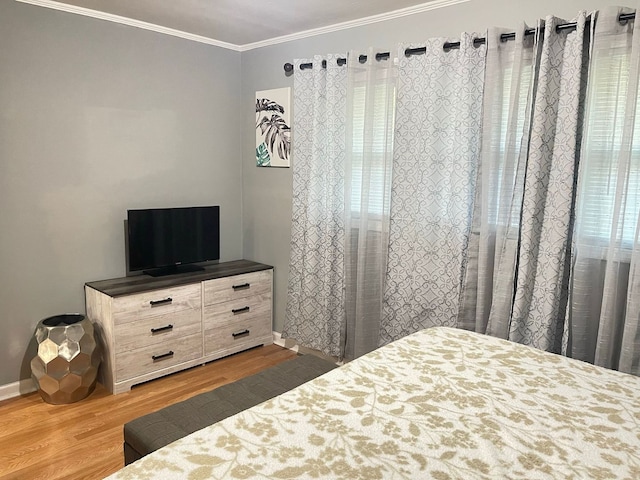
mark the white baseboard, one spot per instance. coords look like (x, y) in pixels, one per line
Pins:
(16, 389)
(278, 340)
(293, 346)
(23, 387)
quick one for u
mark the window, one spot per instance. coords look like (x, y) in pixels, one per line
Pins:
(371, 147)
(609, 196)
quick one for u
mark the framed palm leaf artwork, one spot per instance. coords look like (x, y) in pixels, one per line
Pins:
(273, 128)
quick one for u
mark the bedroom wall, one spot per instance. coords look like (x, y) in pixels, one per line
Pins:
(267, 192)
(95, 118)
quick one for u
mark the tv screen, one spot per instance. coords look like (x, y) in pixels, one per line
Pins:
(169, 239)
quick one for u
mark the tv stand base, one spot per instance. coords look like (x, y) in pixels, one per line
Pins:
(173, 270)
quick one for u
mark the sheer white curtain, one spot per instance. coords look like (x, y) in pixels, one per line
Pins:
(603, 318)
(438, 117)
(371, 86)
(315, 313)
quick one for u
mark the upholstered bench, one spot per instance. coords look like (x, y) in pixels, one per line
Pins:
(155, 430)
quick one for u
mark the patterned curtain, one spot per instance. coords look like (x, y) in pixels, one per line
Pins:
(542, 272)
(315, 310)
(344, 118)
(438, 118)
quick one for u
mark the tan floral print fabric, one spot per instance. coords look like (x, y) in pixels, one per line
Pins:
(441, 403)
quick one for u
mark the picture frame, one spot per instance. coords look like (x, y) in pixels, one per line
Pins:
(273, 128)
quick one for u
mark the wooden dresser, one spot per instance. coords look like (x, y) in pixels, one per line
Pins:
(153, 326)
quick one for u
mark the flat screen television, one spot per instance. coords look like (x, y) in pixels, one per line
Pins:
(165, 241)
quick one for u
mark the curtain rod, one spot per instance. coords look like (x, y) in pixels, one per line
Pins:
(288, 67)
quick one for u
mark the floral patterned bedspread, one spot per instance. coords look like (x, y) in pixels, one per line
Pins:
(442, 404)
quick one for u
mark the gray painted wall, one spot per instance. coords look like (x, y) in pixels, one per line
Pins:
(96, 118)
(267, 192)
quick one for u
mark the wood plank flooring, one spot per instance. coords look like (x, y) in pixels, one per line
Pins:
(84, 440)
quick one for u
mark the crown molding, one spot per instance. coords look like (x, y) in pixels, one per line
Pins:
(404, 12)
(87, 12)
(109, 17)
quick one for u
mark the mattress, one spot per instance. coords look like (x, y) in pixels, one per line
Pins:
(441, 403)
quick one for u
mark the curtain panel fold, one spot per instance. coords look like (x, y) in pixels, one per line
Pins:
(542, 273)
(488, 285)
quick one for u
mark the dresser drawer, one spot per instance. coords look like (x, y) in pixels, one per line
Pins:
(240, 334)
(156, 357)
(241, 308)
(238, 286)
(156, 302)
(157, 329)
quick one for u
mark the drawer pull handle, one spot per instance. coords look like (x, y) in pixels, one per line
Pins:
(166, 301)
(241, 287)
(164, 355)
(240, 310)
(243, 333)
(162, 329)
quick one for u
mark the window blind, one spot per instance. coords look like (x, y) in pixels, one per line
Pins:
(610, 188)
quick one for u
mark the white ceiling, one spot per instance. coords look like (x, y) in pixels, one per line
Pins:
(245, 23)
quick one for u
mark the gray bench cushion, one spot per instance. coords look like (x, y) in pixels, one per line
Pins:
(155, 430)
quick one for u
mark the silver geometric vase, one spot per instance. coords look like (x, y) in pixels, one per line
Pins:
(66, 366)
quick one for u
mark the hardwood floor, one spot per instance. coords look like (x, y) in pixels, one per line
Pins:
(84, 440)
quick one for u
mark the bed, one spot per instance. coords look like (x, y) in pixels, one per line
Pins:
(441, 403)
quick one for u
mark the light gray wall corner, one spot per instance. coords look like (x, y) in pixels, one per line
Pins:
(96, 118)
(266, 192)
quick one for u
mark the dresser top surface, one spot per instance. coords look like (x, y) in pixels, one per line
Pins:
(116, 287)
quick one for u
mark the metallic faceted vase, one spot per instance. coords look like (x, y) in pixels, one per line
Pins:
(66, 366)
